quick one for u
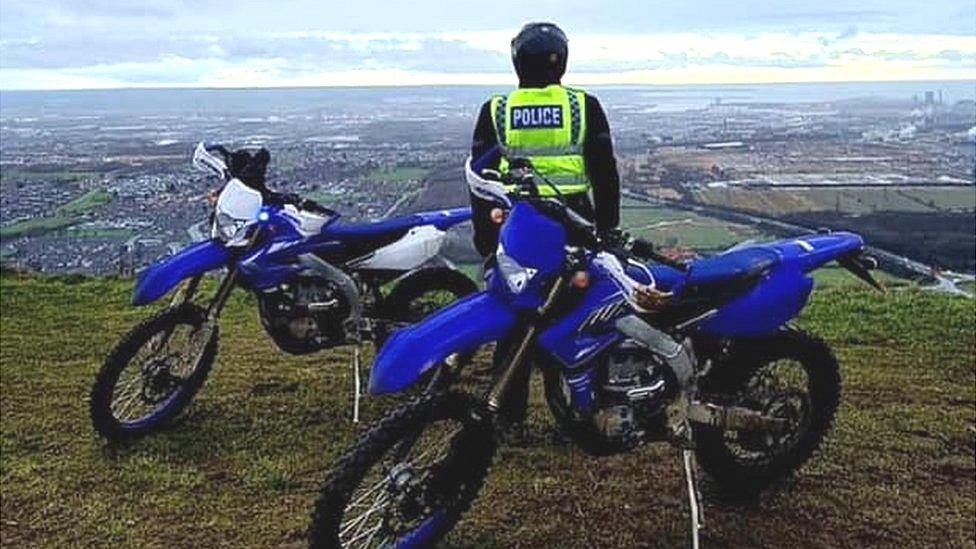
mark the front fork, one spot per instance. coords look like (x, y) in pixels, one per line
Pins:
(186, 293)
(189, 290)
(515, 370)
(227, 284)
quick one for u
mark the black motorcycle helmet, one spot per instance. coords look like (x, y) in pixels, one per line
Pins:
(539, 53)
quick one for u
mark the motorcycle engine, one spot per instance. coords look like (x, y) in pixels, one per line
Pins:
(305, 315)
(636, 388)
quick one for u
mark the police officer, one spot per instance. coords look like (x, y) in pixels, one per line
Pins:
(564, 133)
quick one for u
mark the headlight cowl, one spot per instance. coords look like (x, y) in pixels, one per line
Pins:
(516, 276)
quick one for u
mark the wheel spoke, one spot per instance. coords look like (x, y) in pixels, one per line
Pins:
(371, 490)
(445, 442)
(370, 533)
(124, 393)
(164, 362)
(377, 506)
(403, 473)
(132, 404)
(124, 404)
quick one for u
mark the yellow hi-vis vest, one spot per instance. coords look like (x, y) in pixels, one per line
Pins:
(545, 125)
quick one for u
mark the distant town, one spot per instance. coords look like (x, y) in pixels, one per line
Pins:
(100, 182)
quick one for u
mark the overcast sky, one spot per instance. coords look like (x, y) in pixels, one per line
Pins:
(105, 43)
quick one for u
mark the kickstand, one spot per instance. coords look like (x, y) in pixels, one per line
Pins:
(357, 383)
(694, 496)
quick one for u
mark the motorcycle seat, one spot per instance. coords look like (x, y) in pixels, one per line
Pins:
(397, 226)
(730, 269)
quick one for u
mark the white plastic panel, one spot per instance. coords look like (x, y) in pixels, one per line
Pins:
(307, 223)
(239, 201)
(485, 188)
(412, 250)
(237, 207)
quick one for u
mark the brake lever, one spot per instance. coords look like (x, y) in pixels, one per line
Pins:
(664, 260)
(643, 249)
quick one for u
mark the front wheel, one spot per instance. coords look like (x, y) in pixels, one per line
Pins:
(153, 373)
(409, 479)
(792, 376)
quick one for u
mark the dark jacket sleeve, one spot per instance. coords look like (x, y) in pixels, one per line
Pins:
(601, 166)
(485, 232)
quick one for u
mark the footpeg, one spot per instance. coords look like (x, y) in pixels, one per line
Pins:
(644, 393)
(322, 306)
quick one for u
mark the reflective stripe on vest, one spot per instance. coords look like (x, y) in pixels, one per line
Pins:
(547, 126)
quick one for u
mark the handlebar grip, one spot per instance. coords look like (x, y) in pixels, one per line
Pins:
(665, 260)
(645, 249)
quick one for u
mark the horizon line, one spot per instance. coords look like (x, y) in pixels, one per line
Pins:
(479, 85)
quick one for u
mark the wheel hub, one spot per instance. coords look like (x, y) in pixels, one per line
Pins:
(158, 382)
(778, 403)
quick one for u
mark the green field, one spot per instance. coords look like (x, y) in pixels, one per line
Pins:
(37, 226)
(848, 200)
(399, 174)
(66, 216)
(112, 233)
(836, 277)
(87, 201)
(675, 228)
(15, 175)
(244, 467)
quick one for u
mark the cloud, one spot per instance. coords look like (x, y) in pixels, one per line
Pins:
(230, 43)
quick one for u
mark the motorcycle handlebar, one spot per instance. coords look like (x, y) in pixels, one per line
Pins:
(580, 228)
(218, 148)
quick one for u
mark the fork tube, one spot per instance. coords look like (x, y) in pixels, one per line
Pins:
(186, 293)
(223, 292)
(497, 394)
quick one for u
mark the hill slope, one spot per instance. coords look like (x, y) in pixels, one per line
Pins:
(245, 467)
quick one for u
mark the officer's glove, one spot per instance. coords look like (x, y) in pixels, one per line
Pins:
(652, 300)
(613, 239)
(642, 248)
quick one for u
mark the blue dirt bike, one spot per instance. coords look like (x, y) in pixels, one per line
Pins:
(317, 282)
(700, 355)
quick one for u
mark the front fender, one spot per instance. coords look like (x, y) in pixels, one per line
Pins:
(460, 327)
(159, 278)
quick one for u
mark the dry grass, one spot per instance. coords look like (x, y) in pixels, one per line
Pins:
(243, 469)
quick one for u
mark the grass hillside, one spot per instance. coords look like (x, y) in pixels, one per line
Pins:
(244, 468)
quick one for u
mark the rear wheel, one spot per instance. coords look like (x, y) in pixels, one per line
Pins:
(409, 479)
(792, 376)
(153, 373)
(421, 294)
(424, 292)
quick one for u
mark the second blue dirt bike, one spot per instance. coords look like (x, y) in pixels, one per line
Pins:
(319, 283)
(700, 355)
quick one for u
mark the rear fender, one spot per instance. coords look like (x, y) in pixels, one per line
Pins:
(814, 251)
(159, 278)
(445, 219)
(460, 327)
